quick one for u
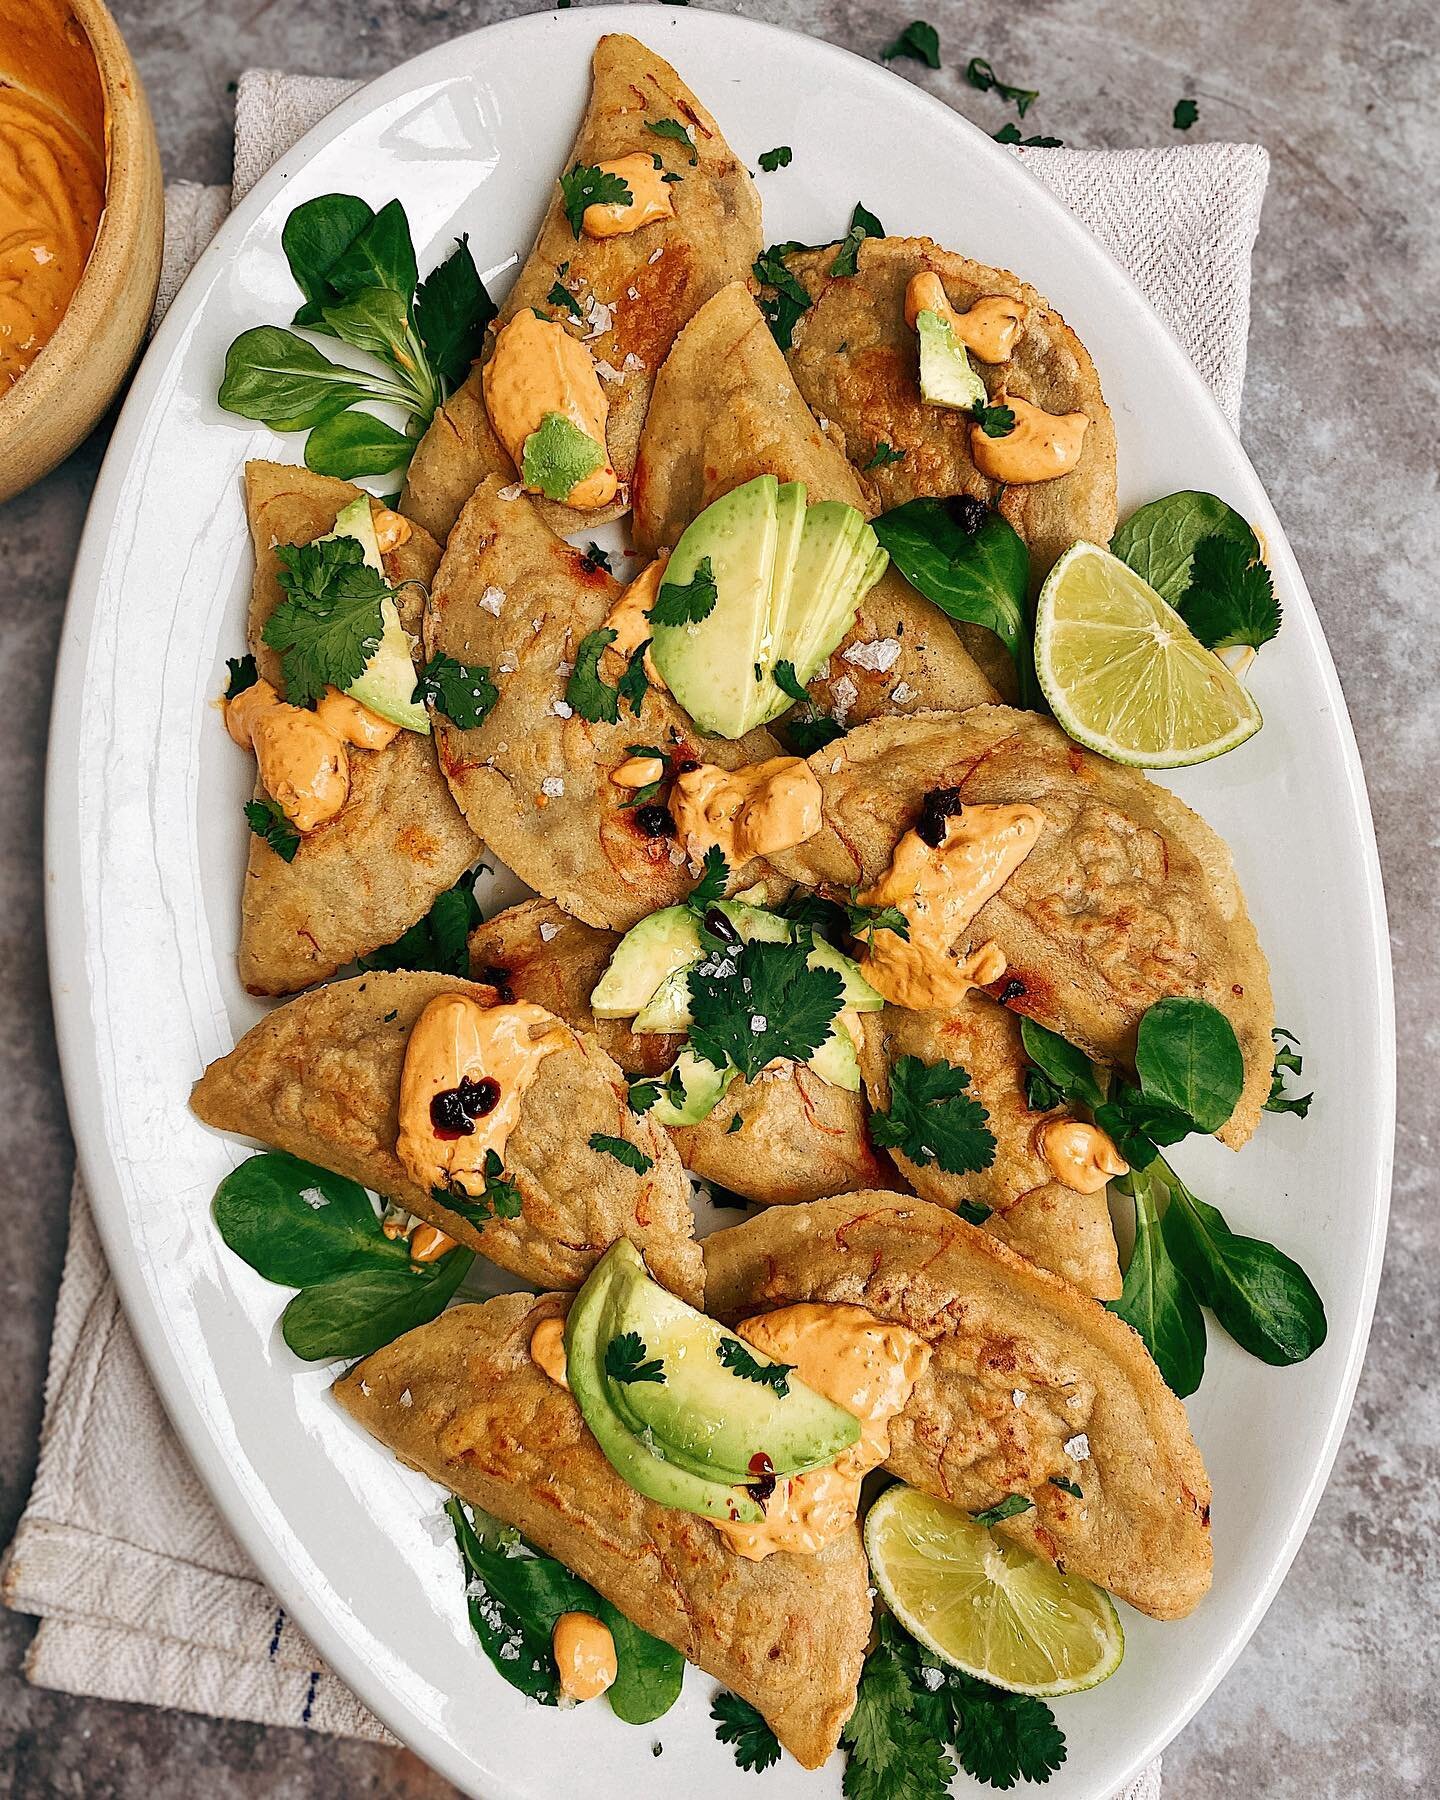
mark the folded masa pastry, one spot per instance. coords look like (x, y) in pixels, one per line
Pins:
(1029, 1381)
(799, 1138)
(855, 358)
(1049, 1224)
(726, 409)
(535, 779)
(321, 1078)
(367, 875)
(1126, 898)
(463, 1400)
(632, 292)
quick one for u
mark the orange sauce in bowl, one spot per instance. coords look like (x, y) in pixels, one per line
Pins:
(53, 165)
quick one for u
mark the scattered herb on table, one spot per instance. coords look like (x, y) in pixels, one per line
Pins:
(737, 1359)
(740, 1725)
(979, 74)
(302, 1227)
(626, 1360)
(463, 693)
(1009, 133)
(919, 40)
(1186, 113)
(778, 158)
(933, 1117)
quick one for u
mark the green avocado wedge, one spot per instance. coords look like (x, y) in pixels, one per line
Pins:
(714, 1412)
(386, 685)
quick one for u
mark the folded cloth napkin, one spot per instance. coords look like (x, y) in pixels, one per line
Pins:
(141, 1592)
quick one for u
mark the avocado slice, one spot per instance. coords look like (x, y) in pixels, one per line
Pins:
(858, 993)
(710, 664)
(946, 377)
(387, 682)
(649, 952)
(704, 1418)
(668, 1008)
(702, 1087)
(588, 1330)
(835, 569)
(836, 1062)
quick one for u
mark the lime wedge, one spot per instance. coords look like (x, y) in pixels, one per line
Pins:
(988, 1606)
(1125, 675)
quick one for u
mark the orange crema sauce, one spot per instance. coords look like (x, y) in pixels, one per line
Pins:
(754, 811)
(584, 1653)
(649, 199)
(302, 755)
(392, 529)
(1080, 1156)
(483, 1059)
(861, 1363)
(547, 1349)
(629, 619)
(940, 889)
(538, 368)
(639, 771)
(989, 330)
(53, 156)
(1041, 447)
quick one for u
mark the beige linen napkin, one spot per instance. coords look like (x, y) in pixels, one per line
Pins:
(141, 1592)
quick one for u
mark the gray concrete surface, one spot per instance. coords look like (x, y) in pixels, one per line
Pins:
(1336, 1694)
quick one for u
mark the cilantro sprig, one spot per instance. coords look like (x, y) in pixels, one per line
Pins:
(500, 1198)
(787, 301)
(883, 455)
(933, 1118)
(752, 1004)
(242, 674)
(994, 421)
(778, 158)
(1288, 1061)
(439, 941)
(678, 133)
(863, 224)
(740, 1725)
(460, 692)
(737, 1359)
(626, 1360)
(690, 602)
(919, 41)
(1009, 1508)
(1204, 558)
(589, 185)
(269, 823)
(979, 74)
(329, 625)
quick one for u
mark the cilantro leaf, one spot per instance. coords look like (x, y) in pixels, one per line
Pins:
(622, 1150)
(919, 40)
(933, 1118)
(672, 128)
(439, 941)
(863, 224)
(329, 625)
(994, 421)
(1288, 1061)
(634, 685)
(738, 1724)
(1008, 1508)
(980, 75)
(884, 454)
(267, 821)
(558, 456)
(243, 674)
(1230, 600)
(788, 681)
(1009, 133)
(598, 558)
(789, 301)
(500, 1199)
(588, 185)
(974, 1212)
(1186, 113)
(778, 158)
(738, 1360)
(865, 921)
(591, 697)
(687, 604)
(1067, 1487)
(714, 879)
(642, 1095)
(807, 735)
(762, 1002)
(561, 296)
(625, 1360)
(460, 692)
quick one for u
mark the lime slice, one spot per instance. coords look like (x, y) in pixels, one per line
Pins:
(988, 1606)
(1125, 675)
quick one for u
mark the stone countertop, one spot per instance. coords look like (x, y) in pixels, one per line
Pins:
(1334, 1696)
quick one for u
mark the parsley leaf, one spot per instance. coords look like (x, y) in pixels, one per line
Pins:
(863, 224)
(460, 692)
(788, 681)
(672, 128)
(1230, 600)
(738, 1360)
(625, 1360)
(622, 1150)
(243, 674)
(714, 879)
(884, 455)
(738, 1723)
(501, 1199)
(994, 421)
(588, 185)
(329, 625)
(267, 821)
(778, 158)
(1288, 1061)
(591, 697)
(933, 1118)
(919, 40)
(440, 940)
(1186, 113)
(762, 1002)
(1009, 133)
(865, 921)
(687, 604)
(1008, 1508)
(789, 301)
(980, 75)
